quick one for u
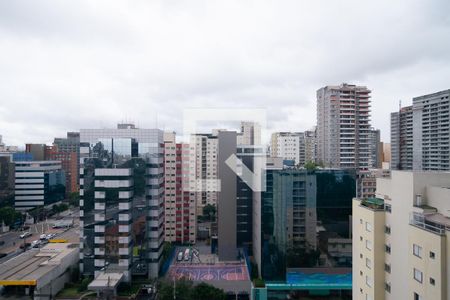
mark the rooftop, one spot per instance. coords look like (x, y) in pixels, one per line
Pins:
(373, 203)
(35, 264)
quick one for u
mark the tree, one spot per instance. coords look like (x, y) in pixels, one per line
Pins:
(74, 199)
(186, 290)
(209, 212)
(203, 291)
(9, 215)
(311, 166)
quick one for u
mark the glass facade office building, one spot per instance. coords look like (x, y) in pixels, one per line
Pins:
(38, 183)
(121, 188)
(288, 219)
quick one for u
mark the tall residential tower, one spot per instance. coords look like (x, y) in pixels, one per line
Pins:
(343, 126)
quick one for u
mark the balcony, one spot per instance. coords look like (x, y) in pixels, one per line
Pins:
(435, 223)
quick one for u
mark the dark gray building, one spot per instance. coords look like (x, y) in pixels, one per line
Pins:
(226, 201)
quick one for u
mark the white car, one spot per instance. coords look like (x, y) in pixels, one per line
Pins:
(25, 234)
(35, 244)
(43, 237)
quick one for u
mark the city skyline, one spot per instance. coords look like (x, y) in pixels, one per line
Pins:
(148, 61)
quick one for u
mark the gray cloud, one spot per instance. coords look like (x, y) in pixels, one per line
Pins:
(78, 64)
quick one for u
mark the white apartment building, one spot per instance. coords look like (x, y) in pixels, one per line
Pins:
(343, 126)
(203, 169)
(289, 146)
(431, 132)
(401, 243)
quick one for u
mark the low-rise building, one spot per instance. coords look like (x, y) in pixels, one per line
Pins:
(39, 273)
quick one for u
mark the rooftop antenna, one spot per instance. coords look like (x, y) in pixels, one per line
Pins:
(400, 105)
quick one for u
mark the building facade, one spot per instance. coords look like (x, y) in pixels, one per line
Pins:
(343, 126)
(121, 182)
(402, 139)
(285, 221)
(203, 169)
(431, 132)
(420, 134)
(310, 145)
(38, 183)
(179, 202)
(401, 238)
(289, 146)
(67, 150)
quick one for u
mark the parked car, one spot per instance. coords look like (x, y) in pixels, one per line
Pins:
(43, 237)
(25, 235)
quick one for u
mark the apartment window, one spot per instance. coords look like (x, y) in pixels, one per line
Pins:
(432, 281)
(360, 255)
(387, 287)
(418, 275)
(388, 208)
(361, 238)
(432, 255)
(368, 263)
(387, 248)
(417, 297)
(368, 227)
(369, 244)
(387, 229)
(417, 250)
(360, 221)
(387, 268)
(369, 281)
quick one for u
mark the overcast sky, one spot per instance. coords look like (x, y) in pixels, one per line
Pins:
(67, 65)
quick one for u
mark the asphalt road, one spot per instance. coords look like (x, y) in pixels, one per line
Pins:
(12, 240)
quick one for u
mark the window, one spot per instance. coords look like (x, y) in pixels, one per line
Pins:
(368, 263)
(387, 248)
(369, 244)
(418, 275)
(417, 250)
(417, 297)
(361, 238)
(432, 281)
(368, 227)
(387, 229)
(432, 255)
(387, 268)
(369, 281)
(387, 287)
(388, 208)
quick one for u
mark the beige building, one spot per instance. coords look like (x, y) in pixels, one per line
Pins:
(401, 238)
